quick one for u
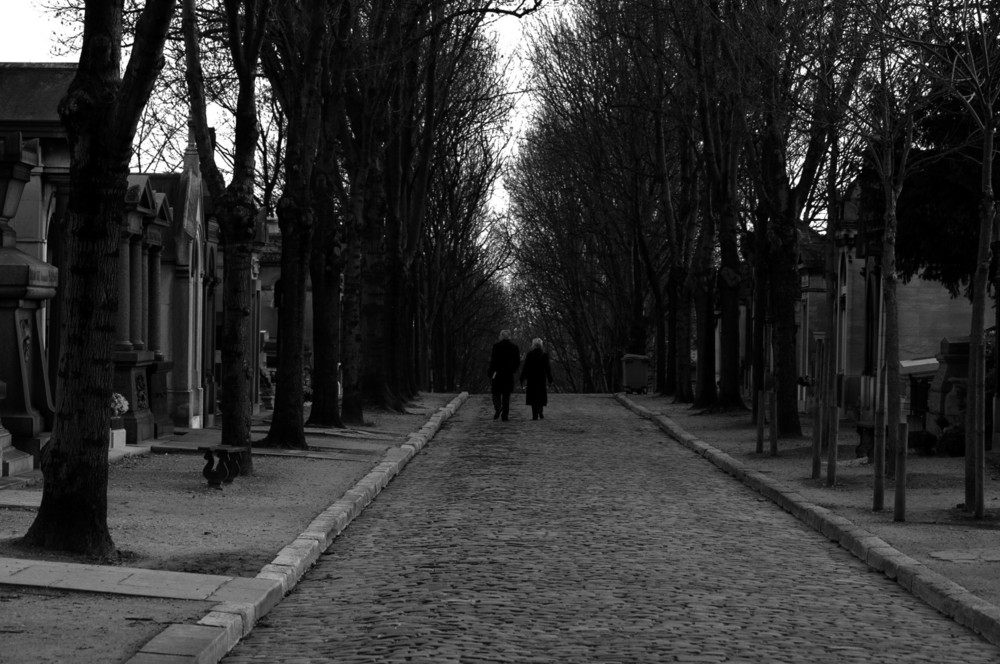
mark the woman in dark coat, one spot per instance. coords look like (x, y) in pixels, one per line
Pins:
(537, 374)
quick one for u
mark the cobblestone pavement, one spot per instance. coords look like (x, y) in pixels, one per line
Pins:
(589, 537)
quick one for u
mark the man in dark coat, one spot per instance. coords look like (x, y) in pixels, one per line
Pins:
(504, 360)
(538, 374)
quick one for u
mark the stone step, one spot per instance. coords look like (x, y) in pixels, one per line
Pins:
(15, 462)
(31, 478)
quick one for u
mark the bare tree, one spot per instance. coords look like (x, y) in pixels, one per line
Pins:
(795, 44)
(894, 89)
(964, 47)
(295, 59)
(599, 146)
(235, 205)
(100, 112)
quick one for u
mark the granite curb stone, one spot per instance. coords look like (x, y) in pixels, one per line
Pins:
(936, 590)
(243, 612)
(197, 644)
(221, 629)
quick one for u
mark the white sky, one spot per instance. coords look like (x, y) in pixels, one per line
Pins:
(26, 33)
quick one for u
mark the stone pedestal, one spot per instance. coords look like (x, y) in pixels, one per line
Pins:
(131, 380)
(12, 460)
(25, 283)
(163, 424)
(117, 436)
(946, 397)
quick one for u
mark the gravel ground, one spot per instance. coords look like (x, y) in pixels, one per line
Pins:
(163, 516)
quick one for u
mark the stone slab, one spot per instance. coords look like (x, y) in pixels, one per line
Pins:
(105, 579)
(968, 556)
(20, 499)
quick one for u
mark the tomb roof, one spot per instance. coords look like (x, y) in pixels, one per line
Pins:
(30, 94)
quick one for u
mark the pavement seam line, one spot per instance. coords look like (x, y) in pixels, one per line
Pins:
(935, 590)
(233, 622)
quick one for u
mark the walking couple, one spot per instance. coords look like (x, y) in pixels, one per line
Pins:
(504, 361)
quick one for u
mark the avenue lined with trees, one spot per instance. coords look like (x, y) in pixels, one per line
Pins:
(674, 157)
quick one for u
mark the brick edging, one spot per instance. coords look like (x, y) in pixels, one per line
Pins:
(938, 591)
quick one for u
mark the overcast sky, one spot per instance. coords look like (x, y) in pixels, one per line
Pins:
(26, 32)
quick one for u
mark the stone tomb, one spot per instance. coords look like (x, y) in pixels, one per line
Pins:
(25, 284)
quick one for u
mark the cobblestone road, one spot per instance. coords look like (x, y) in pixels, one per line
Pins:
(589, 537)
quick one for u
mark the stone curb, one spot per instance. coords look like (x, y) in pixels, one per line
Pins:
(938, 591)
(221, 629)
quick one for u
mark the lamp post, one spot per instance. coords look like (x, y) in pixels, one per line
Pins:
(25, 283)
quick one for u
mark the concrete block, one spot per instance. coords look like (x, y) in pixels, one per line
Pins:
(199, 643)
(261, 591)
(971, 610)
(232, 623)
(245, 612)
(398, 455)
(324, 538)
(834, 527)
(299, 555)
(283, 574)
(861, 543)
(986, 621)
(116, 439)
(907, 569)
(323, 523)
(755, 479)
(938, 591)
(816, 516)
(15, 462)
(883, 559)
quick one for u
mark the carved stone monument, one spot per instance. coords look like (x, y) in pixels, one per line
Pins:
(25, 284)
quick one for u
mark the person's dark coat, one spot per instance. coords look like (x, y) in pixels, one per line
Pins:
(537, 374)
(504, 360)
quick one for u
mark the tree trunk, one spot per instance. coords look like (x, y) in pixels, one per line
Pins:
(730, 280)
(703, 280)
(100, 112)
(296, 62)
(73, 512)
(325, 271)
(759, 359)
(352, 408)
(237, 213)
(894, 446)
(706, 392)
(660, 347)
(673, 305)
(238, 364)
(829, 400)
(975, 435)
(396, 375)
(375, 388)
(637, 324)
(287, 427)
(784, 298)
(682, 334)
